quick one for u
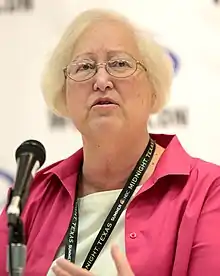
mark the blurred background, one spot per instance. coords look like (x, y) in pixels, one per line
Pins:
(29, 29)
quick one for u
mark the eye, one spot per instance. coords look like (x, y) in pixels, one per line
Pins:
(120, 63)
(84, 66)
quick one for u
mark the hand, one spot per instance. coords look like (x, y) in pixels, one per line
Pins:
(66, 268)
(121, 262)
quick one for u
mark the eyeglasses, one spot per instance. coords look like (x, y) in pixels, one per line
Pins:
(119, 67)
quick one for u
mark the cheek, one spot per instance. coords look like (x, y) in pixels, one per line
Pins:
(75, 97)
(136, 91)
(144, 91)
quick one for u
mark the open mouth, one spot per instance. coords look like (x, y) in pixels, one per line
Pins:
(104, 102)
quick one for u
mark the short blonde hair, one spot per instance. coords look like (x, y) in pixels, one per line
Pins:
(155, 58)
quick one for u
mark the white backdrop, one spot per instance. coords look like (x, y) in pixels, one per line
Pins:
(189, 28)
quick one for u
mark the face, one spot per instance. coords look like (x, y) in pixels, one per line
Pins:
(123, 103)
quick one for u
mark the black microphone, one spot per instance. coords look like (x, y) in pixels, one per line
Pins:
(30, 156)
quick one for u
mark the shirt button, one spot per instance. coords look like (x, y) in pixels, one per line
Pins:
(133, 235)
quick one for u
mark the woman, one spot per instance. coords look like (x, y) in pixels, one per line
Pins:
(160, 206)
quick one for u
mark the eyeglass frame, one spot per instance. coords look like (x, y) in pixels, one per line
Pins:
(104, 64)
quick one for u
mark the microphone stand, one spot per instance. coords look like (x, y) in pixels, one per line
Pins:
(16, 245)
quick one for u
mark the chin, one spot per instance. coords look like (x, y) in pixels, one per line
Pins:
(106, 124)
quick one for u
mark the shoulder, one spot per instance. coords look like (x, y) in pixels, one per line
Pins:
(202, 182)
(204, 170)
(62, 168)
(177, 161)
(192, 175)
(49, 182)
(56, 172)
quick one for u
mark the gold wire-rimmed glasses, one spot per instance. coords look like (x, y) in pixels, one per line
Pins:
(120, 66)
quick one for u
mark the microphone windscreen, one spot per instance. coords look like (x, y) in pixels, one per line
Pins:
(32, 147)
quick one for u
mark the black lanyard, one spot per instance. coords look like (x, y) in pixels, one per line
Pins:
(113, 216)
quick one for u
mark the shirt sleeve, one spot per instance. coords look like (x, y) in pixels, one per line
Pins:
(205, 254)
(28, 214)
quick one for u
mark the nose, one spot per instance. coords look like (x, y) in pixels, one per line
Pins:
(102, 80)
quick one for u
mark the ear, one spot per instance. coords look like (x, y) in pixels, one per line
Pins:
(153, 99)
(64, 87)
(63, 95)
(64, 90)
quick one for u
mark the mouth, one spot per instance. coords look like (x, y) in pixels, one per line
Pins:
(104, 102)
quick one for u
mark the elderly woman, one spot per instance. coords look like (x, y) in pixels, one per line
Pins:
(129, 202)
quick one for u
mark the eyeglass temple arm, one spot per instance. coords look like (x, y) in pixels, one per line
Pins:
(65, 72)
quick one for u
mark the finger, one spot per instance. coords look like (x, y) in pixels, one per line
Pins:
(121, 262)
(59, 271)
(71, 268)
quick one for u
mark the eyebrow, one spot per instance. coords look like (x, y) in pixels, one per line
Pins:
(93, 55)
(86, 54)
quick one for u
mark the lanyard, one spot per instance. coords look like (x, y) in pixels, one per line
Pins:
(113, 216)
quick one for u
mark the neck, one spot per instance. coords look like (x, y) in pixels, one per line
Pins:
(107, 165)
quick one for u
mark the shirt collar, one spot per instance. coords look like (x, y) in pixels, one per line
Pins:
(174, 161)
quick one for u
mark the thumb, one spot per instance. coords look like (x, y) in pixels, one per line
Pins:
(121, 262)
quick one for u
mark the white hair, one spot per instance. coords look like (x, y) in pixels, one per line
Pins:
(155, 58)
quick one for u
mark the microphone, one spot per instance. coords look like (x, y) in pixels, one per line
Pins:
(30, 156)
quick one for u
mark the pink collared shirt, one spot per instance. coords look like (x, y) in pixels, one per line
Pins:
(172, 226)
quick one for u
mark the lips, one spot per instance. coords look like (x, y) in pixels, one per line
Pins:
(104, 101)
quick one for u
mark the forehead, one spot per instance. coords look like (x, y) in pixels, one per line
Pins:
(106, 36)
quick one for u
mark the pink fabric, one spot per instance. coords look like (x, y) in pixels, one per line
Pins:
(172, 226)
